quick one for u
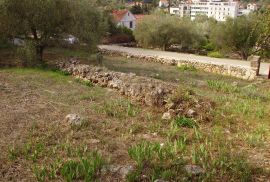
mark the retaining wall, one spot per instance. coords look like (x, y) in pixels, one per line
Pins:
(243, 72)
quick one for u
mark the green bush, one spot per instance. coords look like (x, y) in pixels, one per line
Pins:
(27, 54)
(215, 54)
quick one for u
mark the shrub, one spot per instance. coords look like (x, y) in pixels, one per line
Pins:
(215, 54)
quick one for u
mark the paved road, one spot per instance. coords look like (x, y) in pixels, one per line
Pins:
(182, 56)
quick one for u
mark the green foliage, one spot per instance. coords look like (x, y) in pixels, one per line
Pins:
(86, 168)
(27, 54)
(166, 31)
(222, 86)
(136, 9)
(42, 21)
(186, 67)
(185, 122)
(85, 82)
(236, 35)
(155, 161)
(215, 54)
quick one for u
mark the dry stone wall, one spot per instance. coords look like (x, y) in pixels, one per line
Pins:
(243, 72)
(142, 89)
(148, 91)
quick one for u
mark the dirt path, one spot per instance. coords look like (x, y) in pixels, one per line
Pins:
(173, 55)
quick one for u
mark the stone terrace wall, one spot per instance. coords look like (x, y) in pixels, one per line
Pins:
(142, 89)
(224, 69)
(148, 91)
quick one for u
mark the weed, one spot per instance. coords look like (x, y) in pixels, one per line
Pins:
(222, 86)
(185, 122)
(156, 161)
(40, 173)
(84, 82)
(13, 153)
(86, 168)
(257, 137)
(142, 153)
(186, 67)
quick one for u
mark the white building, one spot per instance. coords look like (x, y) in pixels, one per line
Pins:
(217, 9)
(163, 4)
(124, 18)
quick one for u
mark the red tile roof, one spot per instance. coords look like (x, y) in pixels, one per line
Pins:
(118, 15)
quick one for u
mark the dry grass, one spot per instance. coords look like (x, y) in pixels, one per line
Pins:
(233, 146)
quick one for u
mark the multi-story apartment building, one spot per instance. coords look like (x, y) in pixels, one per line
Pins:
(217, 9)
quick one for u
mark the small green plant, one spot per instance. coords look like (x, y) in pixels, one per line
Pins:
(85, 82)
(222, 86)
(185, 122)
(215, 54)
(186, 67)
(86, 168)
(157, 161)
(142, 153)
(40, 173)
(13, 153)
(257, 137)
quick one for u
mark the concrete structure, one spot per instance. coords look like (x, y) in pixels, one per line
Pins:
(124, 18)
(217, 9)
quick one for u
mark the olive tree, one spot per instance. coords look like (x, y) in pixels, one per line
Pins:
(237, 35)
(42, 21)
(161, 31)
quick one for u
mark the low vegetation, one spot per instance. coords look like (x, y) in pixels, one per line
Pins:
(116, 131)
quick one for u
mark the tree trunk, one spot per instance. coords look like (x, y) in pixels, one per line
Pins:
(244, 55)
(39, 53)
(164, 47)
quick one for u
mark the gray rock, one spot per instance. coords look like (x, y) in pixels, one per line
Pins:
(73, 119)
(194, 170)
(167, 116)
(191, 113)
(122, 170)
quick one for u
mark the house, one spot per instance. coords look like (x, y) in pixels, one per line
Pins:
(124, 18)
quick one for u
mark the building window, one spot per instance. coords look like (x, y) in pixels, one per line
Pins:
(131, 24)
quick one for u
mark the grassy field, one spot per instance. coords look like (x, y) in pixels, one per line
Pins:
(38, 145)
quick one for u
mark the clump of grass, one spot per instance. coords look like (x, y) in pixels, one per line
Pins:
(222, 86)
(186, 67)
(13, 153)
(185, 122)
(119, 108)
(257, 137)
(156, 161)
(85, 82)
(86, 168)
